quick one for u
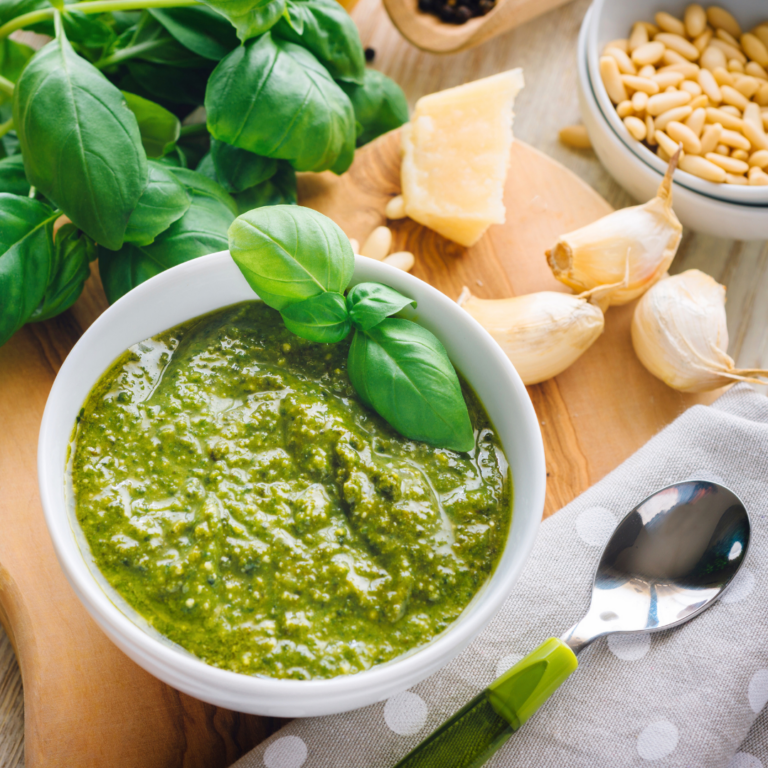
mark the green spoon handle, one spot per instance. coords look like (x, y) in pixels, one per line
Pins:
(480, 727)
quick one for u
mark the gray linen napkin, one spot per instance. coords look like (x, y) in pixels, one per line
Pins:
(685, 698)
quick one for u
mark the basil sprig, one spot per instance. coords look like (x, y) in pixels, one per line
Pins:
(300, 263)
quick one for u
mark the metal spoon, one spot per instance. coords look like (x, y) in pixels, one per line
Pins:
(667, 561)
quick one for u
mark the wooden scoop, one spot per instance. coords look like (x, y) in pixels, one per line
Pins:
(427, 32)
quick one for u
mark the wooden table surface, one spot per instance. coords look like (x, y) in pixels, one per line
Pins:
(546, 49)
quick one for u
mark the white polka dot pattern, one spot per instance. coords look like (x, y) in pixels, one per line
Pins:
(741, 587)
(745, 760)
(287, 752)
(657, 740)
(595, 526)
(405, 713)
(758, 690)
(507, 662)
(629, 647)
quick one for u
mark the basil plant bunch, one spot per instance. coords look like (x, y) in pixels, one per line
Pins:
(300, 263)
(91, 132)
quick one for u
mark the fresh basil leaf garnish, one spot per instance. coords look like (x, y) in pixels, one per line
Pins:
(158, 127)
(238, 169)
(403, 372)
(370, 303)
(322, 318)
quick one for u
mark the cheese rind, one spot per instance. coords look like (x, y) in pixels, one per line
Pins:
(456, 156)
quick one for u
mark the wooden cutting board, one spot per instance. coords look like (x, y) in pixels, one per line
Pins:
(88, 705)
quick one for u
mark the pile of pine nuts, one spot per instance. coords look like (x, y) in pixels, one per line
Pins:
(378, 245)
(700, 82)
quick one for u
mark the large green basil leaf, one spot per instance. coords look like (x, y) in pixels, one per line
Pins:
(150, 41)
(370, 303)
(402, 371)
(72, 252)
(170, 84)
(238, 169)
(249, 17)
(202, 30)
(279, 190)
(380, 105)
(88, 30)
(275, 99)
(81, 144)
(202, 185)
(201, 230)
(13, 58)
(25, 259)
(158, 127)
(163, 202)
(325, 29)
(12, 177)
(290, 253)
(322, 318)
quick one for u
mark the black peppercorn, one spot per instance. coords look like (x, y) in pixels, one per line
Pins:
(370, 54)
(456, 11)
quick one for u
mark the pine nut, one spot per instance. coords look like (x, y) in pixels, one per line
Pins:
(710, 138)
(662, 102)
(721, 149)
(678, 44)
(401, 260)
(734, 139)
(728, 164)
(669, 146)
(733, 97)
(622, 45)
(647, 71)
(686, 68)
(712, 58)
(702, 41)
(695, 20)
(757, 178)
(678, 113)
(696, 120)
(731, 110)
(740, 154)
(636, 127)
(727, 121)
(663, 155)
(753, 127)
(668, 23)
(721, 34)
(355, 245)
(759, 158)
(735, 66)
(731, 178)
(626, 66)
(755, 70)
(719, 18)
(723, 77)
(649, 53)
(609, 71)
(702, 168)
(651, 29)
(377, 244)
(692, 87)
(761, 97)
(575, 136)
(650, 131)
(699, 102)
(754, 48)
(644, 84)
(624, 109)
(747, 86)
(639, 101)
(638, 37)
(667, 80)
(761, 32)
(684, 135)
(673, 57)
(709, 85)
(396, 208)
(730, 51)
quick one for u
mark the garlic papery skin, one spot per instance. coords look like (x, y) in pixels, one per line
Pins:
(541, 333)
(680, 334)
(644, 237)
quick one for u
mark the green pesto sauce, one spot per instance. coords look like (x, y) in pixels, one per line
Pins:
(237, 494)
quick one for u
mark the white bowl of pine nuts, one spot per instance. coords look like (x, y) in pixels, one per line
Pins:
(667, 71)
(696, 211)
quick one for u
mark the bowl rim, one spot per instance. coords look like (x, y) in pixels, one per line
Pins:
(192, 675)
(755, 197)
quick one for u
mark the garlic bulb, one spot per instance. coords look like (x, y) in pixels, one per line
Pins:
(680, 334)
(541, 333)
(645, 237)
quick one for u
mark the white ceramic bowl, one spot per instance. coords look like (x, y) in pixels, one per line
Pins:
(695, 211)
(613, 19)
(204, 285)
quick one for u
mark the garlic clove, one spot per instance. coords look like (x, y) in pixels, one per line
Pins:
(541, 333)
(680, 334)
(647, 236)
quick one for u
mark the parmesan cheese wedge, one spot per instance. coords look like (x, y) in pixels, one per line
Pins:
(456, 155)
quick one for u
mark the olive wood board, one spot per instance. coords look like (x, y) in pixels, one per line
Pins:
(88, 705)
